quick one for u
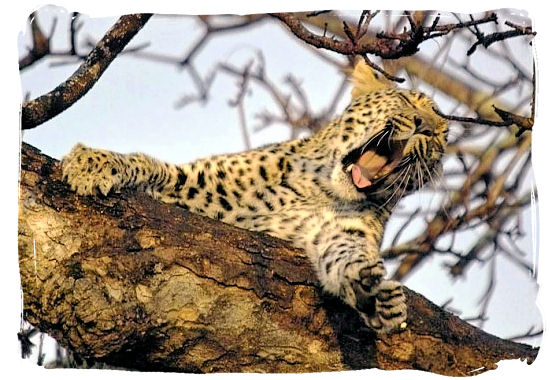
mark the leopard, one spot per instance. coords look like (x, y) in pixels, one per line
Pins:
(330, 193)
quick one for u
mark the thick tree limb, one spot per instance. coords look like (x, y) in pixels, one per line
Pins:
(45, 107)
(136, 283)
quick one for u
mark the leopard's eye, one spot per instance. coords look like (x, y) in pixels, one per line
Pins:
(422, 128)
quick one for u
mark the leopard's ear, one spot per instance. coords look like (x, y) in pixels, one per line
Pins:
(366, 80)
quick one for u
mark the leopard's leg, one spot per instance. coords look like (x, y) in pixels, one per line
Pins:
(345, 254)
(93, 171)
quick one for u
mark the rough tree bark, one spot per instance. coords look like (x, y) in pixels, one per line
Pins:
(136, 283)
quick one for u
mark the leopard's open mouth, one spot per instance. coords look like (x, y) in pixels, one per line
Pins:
(374, 160)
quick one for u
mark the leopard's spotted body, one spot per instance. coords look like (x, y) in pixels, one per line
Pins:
(330, 194)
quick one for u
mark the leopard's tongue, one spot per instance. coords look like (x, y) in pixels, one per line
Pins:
(366, 168)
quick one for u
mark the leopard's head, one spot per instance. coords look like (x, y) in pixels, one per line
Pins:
(387, 143)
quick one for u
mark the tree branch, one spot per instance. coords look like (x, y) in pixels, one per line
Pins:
(45, 107)
(40, 44)
(508, 119)
(383, 46)
(422, 68)
(488, 40)
(135, 283)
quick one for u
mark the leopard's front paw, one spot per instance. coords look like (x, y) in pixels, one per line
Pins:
(91, 171)
(388, 308)
(381, 302)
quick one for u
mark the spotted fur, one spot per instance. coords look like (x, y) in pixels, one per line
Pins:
(300, 191)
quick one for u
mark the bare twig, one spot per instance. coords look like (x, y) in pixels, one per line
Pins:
(317, 13)
(40, 44)
(382, 71)
(531, 333)
(488, 40)
(508, 119)
(382, 47)
(45, 107)
(74, 29)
